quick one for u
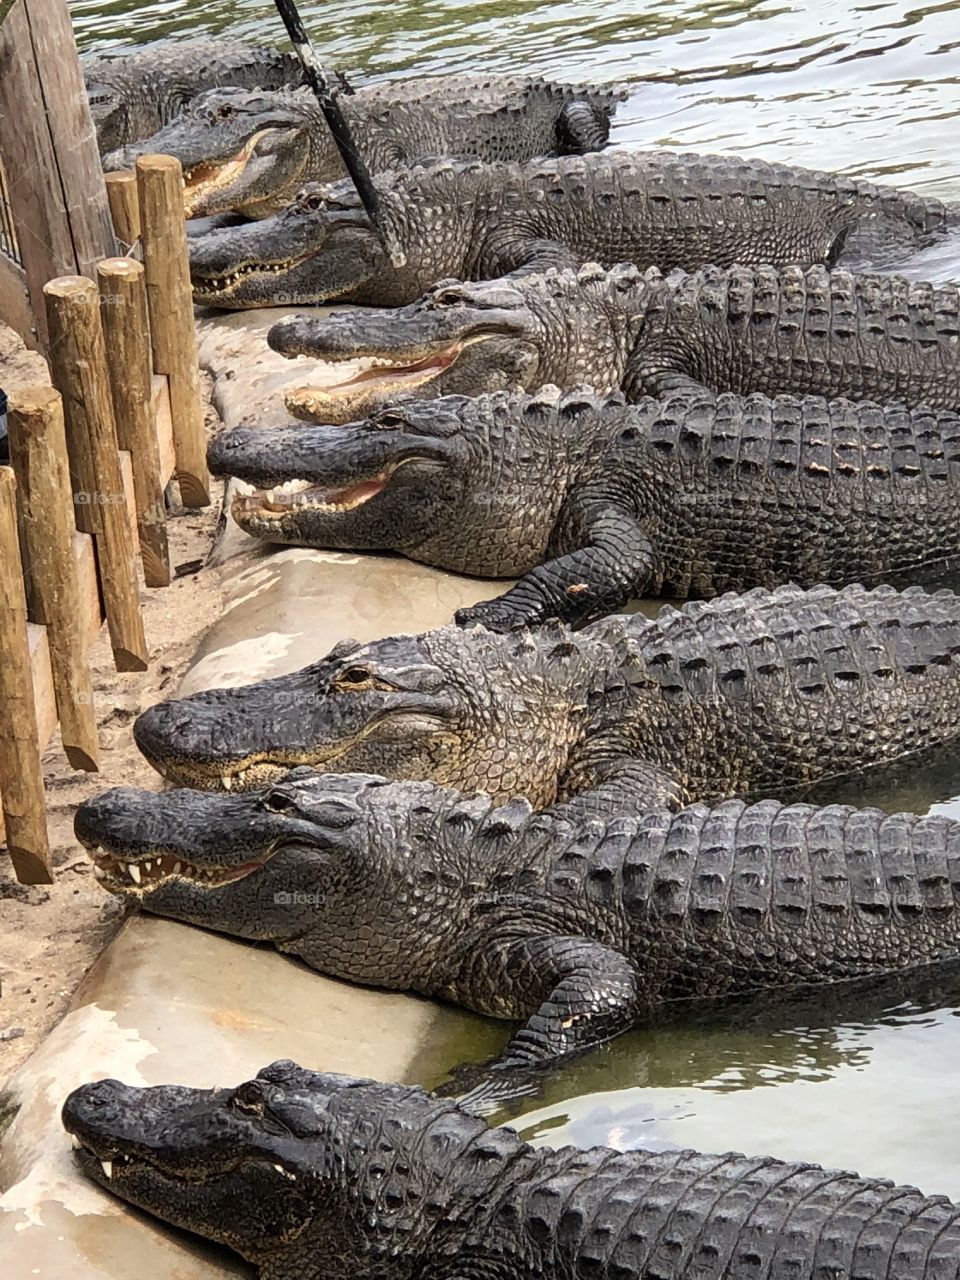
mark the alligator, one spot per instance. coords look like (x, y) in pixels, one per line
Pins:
(593, 500)
(251, 152)
(133, 94)
(747, 695)
(328, 1176)
(579, 926)
(742, 330)
(478, 221)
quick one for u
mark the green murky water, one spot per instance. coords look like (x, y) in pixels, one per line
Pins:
(873, 89)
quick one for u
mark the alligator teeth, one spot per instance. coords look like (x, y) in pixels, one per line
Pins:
(107, 1167)
(227, 782)
(134, 871)
(75, 1142)
(177, 868)
(148, 865)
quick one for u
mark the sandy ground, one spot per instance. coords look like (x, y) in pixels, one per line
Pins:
(50, 935)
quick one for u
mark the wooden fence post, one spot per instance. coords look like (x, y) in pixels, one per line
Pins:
(21, 775)
(38, 451)
(49, 150)
(126, 331)
(69, 344)
(87, 393)
(124, 205)
(172, 330)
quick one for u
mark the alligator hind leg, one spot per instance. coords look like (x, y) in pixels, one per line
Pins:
(581, 128)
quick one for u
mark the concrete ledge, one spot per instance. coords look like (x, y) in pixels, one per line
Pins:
(170, 1003)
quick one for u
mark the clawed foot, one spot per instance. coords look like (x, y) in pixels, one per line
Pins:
(485, 1087)
(496, 615)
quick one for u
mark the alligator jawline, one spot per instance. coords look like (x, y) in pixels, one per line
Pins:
(125, 875)
(122, 1161)
(210, 286)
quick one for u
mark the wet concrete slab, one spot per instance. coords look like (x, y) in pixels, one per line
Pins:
(167, 1002)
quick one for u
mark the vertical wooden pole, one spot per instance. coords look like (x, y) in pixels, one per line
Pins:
(49, 150)
(38, 451)
(69, 344)
(124, 205)
(172, 330)
(88, 403)
(126, 331)
(21, 775)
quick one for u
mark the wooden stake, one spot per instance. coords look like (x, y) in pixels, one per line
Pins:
(115, 553)
(72, 325)
(124, 206)
(38, 450)
(172, 330)
(80, 366)
(21, 776)
(126, 331)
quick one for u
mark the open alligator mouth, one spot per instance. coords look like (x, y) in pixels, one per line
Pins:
(377, 375)
(202, 180)
(132, 876)
(298, 495)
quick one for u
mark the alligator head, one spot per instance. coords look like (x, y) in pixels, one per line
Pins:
(285, 1169)
(458, 338)
(328, 867)
(241, 151)
(320, 248)
(473, 486)
(512, 334)
(468, 709)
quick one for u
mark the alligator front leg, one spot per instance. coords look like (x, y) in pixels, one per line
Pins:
(605, 781)
(524, 256)
(597, 579)
(587, 994)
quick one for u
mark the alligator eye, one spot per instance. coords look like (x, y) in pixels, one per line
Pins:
(355, 678)
(312, 203)
(277, 802)
(224, 112)
(249, 1098)
(391, 419)
(447, 298)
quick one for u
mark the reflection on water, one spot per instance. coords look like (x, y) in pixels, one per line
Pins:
(861, 1080)
(867, 88)
(868, 1081)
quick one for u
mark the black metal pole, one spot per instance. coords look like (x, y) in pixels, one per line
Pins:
(317, 80)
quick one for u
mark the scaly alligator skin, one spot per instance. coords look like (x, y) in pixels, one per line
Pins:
(751, 695)
(327, 1177)
(251, 153)
(577, 925)
(133, 94)
(743, 330)
(476, 221)
(594, 501)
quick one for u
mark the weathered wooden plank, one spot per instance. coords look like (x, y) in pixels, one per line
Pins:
(48, 145)
(15, 309)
